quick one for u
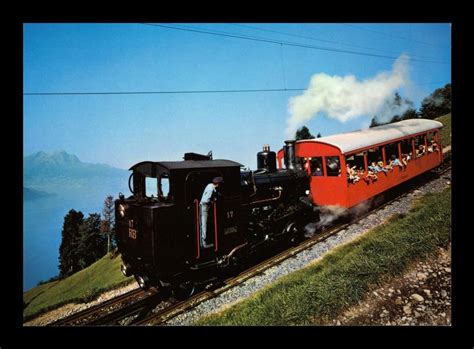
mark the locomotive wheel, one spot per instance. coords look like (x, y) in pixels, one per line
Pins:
(143, 282)
(295, 233)
(184, 290)
(126, 269)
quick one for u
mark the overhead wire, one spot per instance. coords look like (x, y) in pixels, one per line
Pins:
(317, 39)
(287, 43)
(180, 91)
(389, 34)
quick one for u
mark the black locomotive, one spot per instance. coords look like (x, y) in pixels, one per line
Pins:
(158, 227)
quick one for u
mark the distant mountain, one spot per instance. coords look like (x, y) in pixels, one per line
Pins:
(62, 164)
(31, 194)
(62, 172)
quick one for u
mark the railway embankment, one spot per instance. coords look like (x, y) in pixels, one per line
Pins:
(94, 284)
(379, 257)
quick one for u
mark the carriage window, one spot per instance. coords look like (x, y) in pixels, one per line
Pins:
(151, 187)
(374, 155)
(432, 144)
(406, 147)
(430, 136)
(391, 151)
(420, 146)
(317, 166)
(356, 160)
(333, 166)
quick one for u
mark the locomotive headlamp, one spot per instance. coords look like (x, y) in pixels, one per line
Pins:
(122, 210)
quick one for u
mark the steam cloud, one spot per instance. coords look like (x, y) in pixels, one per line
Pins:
(345, 98)
(331, 213)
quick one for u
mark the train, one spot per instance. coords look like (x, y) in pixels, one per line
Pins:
(158, 226)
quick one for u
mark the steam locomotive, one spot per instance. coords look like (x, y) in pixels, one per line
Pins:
(158, 227)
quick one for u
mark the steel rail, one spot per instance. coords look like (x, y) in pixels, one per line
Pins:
(97, 309)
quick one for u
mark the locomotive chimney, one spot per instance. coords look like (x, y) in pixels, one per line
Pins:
(290, 157)
(266, 159)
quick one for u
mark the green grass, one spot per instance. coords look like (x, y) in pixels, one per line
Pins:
(446, 130)
(82, 286)
(317, 293)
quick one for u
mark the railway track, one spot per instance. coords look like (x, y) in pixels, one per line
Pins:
(93, 313)
(153, 308)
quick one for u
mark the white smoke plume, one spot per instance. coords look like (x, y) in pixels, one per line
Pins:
(345, 98)
(331, 213)
(327, 215)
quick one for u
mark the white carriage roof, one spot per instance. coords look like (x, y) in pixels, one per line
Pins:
(351, 141)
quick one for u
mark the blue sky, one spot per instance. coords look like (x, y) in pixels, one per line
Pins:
(121, 130)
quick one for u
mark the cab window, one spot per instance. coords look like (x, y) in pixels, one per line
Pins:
(151, 187)
(164, 187)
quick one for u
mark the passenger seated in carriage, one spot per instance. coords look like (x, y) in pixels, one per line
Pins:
(420, 151)
(380, 162)
(352, 173)
(317, 172)
(376, 168)
(405, 159)
(371, 176)
(395, 162)
(433, 146)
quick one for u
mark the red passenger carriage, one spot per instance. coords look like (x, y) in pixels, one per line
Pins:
(416, 143)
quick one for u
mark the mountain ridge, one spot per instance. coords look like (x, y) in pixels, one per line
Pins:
(61, 171)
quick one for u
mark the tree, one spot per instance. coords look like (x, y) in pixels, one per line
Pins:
(303, 133)
(374, 122)
(107, 226)
(68, 250)
(319, 135)
(397, 103)
(410, 114)
(82, 242)
(93, 244)
(437, 104)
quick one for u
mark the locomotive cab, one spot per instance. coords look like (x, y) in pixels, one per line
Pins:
(158, 227)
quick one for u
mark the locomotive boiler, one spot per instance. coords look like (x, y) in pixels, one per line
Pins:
(158, 227)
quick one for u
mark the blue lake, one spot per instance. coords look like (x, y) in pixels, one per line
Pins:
(42, 224)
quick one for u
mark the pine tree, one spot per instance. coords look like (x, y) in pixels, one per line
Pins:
(93, 244)
(303, 133)
(68, 250)
(374, 122)
(107, 225)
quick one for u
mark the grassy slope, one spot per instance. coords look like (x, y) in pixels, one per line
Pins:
(320, 291)
(82, 286)
(446, 131)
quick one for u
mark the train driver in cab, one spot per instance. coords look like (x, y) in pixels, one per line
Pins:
(209, 193)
